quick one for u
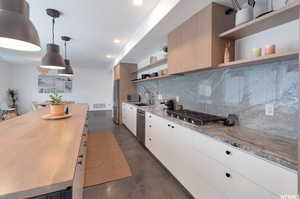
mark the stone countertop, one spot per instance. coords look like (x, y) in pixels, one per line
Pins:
(278, 149)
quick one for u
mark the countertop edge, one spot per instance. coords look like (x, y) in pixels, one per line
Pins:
(38, 191)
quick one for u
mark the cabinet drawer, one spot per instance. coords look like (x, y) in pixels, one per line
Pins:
(238, 187)
(272, 177)
(226, 182)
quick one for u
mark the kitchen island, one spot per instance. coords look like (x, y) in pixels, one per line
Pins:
(43, 157)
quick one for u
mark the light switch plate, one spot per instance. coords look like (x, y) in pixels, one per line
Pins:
(269, 109)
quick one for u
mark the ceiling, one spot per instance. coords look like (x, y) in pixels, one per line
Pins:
(93, 25)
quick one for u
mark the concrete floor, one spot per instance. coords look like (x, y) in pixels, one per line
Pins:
(149, 180)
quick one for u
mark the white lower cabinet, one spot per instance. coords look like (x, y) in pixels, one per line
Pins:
(204, 167)
(129, 117)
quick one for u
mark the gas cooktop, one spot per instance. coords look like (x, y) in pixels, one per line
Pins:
(200, 119)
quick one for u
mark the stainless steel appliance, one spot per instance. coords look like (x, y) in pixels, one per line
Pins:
(116, 103)
(140, 126)
(200, 119)
(133, 98)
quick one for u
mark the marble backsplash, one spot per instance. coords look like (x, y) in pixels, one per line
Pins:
(242, 91)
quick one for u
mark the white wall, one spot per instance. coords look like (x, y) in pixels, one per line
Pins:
(5, 79)
(91, 84)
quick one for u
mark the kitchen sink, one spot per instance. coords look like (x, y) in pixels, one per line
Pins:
(141, 104)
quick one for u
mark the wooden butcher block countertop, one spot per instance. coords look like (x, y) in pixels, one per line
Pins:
(39, 156)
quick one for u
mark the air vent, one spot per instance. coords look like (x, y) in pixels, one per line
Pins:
(99, 106)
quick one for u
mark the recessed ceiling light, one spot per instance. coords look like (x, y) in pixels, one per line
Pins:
(117, 41)
(137, 2)
(109, 56)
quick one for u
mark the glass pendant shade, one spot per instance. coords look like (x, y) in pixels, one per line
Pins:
(68, 71)
(16, 30)
(53, 59)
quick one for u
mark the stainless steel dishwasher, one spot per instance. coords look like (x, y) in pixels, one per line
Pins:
(140, 126)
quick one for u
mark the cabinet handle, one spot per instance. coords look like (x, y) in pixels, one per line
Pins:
(150, 139)
(228, 153)
(79, 162)
(84, 134)
(228, 175)
(81, 156)
(150, 126)
(169, 125)
(173, 127)
(149, 116)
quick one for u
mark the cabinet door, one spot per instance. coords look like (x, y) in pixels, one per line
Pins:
(161, 138)
(124, 113)
(148, 131)
(190, 45)
(133, 113)
(175, 49)
(78, 182)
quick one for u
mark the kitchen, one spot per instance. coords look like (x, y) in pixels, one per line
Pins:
(204, 103)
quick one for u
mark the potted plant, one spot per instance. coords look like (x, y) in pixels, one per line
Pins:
(57, 108)
(165, 50)
(13, 95)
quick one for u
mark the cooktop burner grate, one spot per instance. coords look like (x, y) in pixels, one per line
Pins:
(197, 118)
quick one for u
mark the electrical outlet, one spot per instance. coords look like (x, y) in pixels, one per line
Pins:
(269, 109)
(177, 99)
(207, 91)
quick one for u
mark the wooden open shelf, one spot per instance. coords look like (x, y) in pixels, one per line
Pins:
(261, 60)
(153, 78)
(150, 66)
(273, 19)
(252, 62)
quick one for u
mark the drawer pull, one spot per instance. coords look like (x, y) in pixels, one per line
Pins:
(81, 156)
(79, 162)
(173, 127)
(169, 125)
(150, 139)
(228, 175)
(150, 126)
(228, 153)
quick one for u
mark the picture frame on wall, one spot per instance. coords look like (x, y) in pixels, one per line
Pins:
(51, 83)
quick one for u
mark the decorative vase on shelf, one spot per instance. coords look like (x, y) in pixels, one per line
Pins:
(227, 56)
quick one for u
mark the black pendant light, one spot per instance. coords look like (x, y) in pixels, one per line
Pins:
(53, 59)
(68, 71)
(16, 30)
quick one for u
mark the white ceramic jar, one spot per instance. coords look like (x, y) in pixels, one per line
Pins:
(244, 15)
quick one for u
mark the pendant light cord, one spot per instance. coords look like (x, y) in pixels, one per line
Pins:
(65, 50)
(53, 23)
